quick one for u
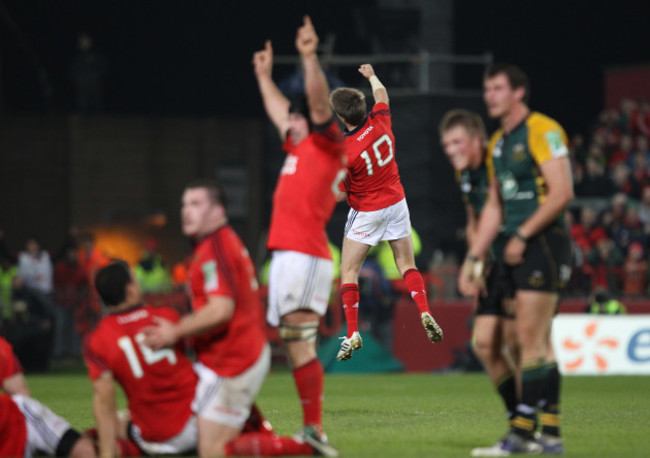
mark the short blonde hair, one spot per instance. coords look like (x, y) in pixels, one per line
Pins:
(471, 121)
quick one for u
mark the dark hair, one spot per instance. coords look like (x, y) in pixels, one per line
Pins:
(471, 121)
(516, 76)
(215, 191)
(111, 282)
(349, 104)
(299, 104)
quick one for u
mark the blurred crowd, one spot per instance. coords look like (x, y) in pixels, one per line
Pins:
(610, 220)
(48, 302)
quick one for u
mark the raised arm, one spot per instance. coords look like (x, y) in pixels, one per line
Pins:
(275, 103)
(379, 92)
(316, 87)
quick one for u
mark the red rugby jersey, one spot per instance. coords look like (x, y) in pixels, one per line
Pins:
(221, 266)
(9, 364)
(13, 428)
(304, 197)
(373, 180)
(159, 385)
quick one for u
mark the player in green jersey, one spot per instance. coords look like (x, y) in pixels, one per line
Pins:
(530, 187)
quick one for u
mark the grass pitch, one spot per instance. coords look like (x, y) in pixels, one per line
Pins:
(419, 415)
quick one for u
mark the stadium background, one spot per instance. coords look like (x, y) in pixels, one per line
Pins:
(181, 101)
(179, 91)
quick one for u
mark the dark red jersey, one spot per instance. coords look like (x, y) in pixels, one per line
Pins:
(221, 266)
(13, 428)
(373, 180)
(9, 364)
(304, 197)
(159, 385)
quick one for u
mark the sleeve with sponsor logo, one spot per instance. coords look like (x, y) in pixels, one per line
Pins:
(546, 139)
(217, 273)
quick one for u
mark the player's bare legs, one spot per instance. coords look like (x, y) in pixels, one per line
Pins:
(300, 352)
(492, 335)
(405, 261)
(214, 436)
(307, 370)
(353, 254)
(534, 311)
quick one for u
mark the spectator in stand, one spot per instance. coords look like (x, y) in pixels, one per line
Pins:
(635, 272)
(595, 183)
(625, 182)
(151, 272)
(644, 210)
(640, 169)
(628, 115)
(8, 271)
(35, 267)
(632, 230)
(642, 146)
(91, 259)
(577, 149)
(70, 292)
(643, 123)
(30, 330)
(588, 232)
(605, 262)
(622, 152)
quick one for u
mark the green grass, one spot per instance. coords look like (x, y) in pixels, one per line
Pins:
(413, 415)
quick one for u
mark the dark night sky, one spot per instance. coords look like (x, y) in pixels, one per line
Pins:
(193, 57)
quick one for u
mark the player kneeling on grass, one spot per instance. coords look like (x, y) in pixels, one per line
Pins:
(160, 385)
(378, 204)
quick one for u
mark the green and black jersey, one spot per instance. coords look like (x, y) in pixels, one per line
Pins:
(474, 186)
(514, 160)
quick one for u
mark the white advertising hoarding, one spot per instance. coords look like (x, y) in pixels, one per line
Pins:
(602, 344)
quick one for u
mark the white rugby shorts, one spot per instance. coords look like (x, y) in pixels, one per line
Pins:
(45, 429)
(390, 223)
(228, 400)
(298, 281)
(184, 442)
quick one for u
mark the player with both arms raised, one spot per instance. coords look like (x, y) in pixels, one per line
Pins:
(378, 204)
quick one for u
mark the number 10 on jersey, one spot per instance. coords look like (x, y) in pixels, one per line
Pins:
(381, 161)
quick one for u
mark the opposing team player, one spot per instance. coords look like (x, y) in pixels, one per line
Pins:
(530, 188)
(378, 204)
(463, 138)
(301, 266)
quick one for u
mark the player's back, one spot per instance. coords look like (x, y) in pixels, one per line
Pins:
(304, 199)
(159, 385)
(373, 179)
